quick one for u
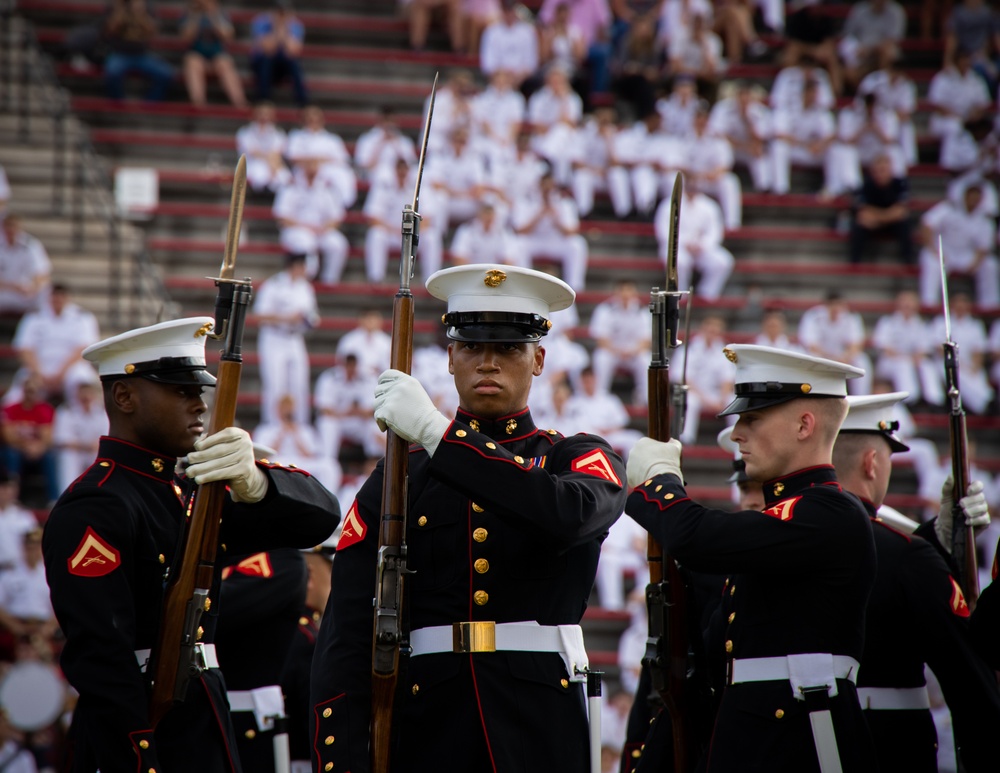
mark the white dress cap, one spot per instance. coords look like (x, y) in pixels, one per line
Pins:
(170, 352)
(767, 376)
(494, 302)
(873, 413)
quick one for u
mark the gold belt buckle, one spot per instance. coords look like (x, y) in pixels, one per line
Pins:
(475, 636)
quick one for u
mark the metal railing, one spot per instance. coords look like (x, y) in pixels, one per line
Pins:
(29, 89)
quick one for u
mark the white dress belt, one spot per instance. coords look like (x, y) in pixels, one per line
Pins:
(894, 698)
(777, 669)
(205, 652)
(266, 703)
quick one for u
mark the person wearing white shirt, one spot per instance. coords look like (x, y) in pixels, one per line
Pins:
(565, 358)
(600, 412)
(509, 44)
(773, 332)
(368, 342)
(313, 142)
(699, 243)
(709, 374)
(24, 592)
(989, 204)
(676, 18)
(309, 215)
(297, 443)
(452, 109)
(871, 37)
(699, 54)
(77, 430)
(708, 163)
(285, 307)
(484, 239)
(653, 159)
(377, 151)
(554, 112)
(994, 350)
(514, 175)
(678, 110)
(623, 553)
(895, 91)
(498, 112)
(264, 144)
(745, 122)
(968, 240)
(621, 331)
(868, 131)
(806, 135)
(458, 174)
(598, 167)
(956, 93)
(970, 334)
(788, 89)
(833, 331)
(344, 398)
(15, 521)
(904, 347)
(548, 226)
(49, 343)
(24, 268)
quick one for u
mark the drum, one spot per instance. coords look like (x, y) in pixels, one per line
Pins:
(33, 695)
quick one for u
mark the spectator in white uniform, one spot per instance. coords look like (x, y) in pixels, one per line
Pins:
(485, 239)
(600, 412)
(458, 174)
(548, 226)
(623, 554)
(699, 243)
(654, 157)
(895, 91)
(509, 44)
(833, 331)
(709, 373)
(903, 347)
(807, 135)
(313, 142)
(565, 358)
(868, 131)
(297, 443)
(774, 332)
(345, 398)
(15, 521)
(25, 606)
(514, 176)
(368, 342)
(264, 145)
(621, 331)
(699, 54)
(24, 268)
(554, 112)
(378, 149)
(497, 114)
(309, 215)
(285, 307)
(452, 109)
(969, 244)
(708, 163)
(678, 109)
(788, 89)
(969, 333)
(77, 430)
(598, 166)
(745, 122)
(871, 37)
(957, 95)
(49, 343)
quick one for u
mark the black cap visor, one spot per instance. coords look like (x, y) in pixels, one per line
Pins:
(495, 326)
(169, 370)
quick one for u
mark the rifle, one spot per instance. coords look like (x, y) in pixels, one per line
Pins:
(667, 643)
(679, 391)
(172, 663)
(963, 540)
(390, 637)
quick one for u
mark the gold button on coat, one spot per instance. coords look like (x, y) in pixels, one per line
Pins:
(779, 714)
(461, 433)
(422, 520)
(415, 689)
(327, 713)
(564, 682)
(250, 734)
(143, 744)
(477, 509)
(491, 446)
(732, 616)
(482, 565)
(328, 767)
(519, 459)
(479, 535)
(481, 597)
(329, 740)
(729, 646)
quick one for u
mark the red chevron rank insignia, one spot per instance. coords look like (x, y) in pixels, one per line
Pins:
(958, 605)
(596, 463)
(783, 510)
(354, 528)
(93, 557)
(257, 565)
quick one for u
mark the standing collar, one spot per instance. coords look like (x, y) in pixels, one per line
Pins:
(789, 485)
(137, 459)
(503, 429)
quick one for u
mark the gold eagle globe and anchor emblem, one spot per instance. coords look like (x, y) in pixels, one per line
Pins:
(494, 278)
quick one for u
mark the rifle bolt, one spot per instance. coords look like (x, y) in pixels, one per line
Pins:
(208, 603)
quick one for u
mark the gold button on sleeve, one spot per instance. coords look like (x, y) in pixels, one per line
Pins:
(327, 713)
(481, 597)
(422, 520)
(328, 767)
(491, 446)
(519, 459)
(636, 754)
(779, 714)
(729, 645)
(143, 744)
(479, 535)
(477, 509)
(461, 433)
(161, 558)
(732, 591)
(482, 565)
(732, 616)
(564, 682)
(328, 740)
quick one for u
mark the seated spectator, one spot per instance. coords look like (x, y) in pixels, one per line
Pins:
(25, 608)
(811, 33)
(903, 347)
(555, 112)
(969, 332)
(565, 358)
(276, 45)
(972, 148)
(128, 33)
(734, 21)
(868, 131)
(561, 43)
(548, 226)
(870, 38)
(420, 14)
(50, 343)
(881, 207)
(378, 149)
(894, 91)
(678, 109)
(27, 434)
(709, 374)
(368, 342)
(312, 141)
(78, 426)
(674, 23)
(744, 121)
(957, 95)
(297, 443)
(638, 67)
(654, 158)
(599, 167)
(453, 108)
(707, 161)
(497, 114)
(458, 175)
(24, 268)
(699, 242)
(263, 143)
(207, 30)
(833, 331)
(15, 521)
(510, 43)
(592, 18)
(344, 398)
(788, 89)
(698, 55)
(623, 555)
(774, 332)
(476, 16)
(600, 412)
(973, 26)
(621, 332)
(485, 239)
(969, 245)
(513, 176)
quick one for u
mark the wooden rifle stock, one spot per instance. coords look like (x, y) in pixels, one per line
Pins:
(172, 662)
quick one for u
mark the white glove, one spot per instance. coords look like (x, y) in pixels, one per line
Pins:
(974, 507)
(228, 455)
(651, 457)
(402, 405)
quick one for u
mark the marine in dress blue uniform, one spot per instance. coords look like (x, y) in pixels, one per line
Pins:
(802, 569)
(504, 531)
(115, 534)
(917, 615)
